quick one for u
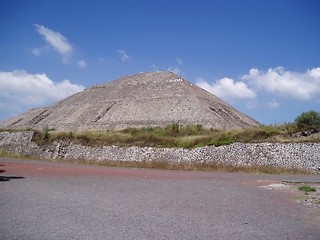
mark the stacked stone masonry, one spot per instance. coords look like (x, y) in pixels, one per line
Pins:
(287, 155)
(139, 100)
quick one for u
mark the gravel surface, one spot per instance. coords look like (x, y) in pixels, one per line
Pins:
(45, 200)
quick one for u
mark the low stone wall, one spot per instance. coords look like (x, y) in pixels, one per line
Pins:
(287, 155)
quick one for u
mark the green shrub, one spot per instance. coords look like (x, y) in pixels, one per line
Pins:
(46, 133)
(307, 188)
(132, 131)
(199, 127)
(257, 134)
(308, 120)
(172, 130)
(222, 139)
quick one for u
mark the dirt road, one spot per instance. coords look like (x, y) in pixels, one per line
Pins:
(45, 200)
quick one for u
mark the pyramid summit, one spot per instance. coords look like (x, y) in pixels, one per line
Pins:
(140, 100)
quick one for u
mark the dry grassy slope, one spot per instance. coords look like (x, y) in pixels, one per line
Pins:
(145, 99)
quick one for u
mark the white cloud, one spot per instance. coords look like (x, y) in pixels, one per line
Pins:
(55, 40)
(252, 104)
(314, 72)
(295, 85)
(227, 88)
(22, 90)
(36, 51)
(82, 64)
(261, 88)
(123, 55)
(175, 70)
(273, 104)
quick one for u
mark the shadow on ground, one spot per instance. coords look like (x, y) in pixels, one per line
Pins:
(7, 178)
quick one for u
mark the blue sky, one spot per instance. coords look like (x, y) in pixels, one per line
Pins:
(262, 57)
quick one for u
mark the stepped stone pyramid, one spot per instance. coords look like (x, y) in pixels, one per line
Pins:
(140, 100)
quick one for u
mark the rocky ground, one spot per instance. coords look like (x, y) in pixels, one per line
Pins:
(309, 199)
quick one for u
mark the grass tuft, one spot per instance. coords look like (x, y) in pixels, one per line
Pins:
(307, 188)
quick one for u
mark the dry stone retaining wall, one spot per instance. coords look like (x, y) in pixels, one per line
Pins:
(288, 155)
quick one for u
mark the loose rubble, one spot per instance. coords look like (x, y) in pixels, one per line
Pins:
(285, 155)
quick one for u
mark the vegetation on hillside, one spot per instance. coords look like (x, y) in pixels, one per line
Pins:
(176, 135)
(308, 121)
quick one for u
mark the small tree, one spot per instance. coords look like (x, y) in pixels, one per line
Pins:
(199, 127)
(308, 120)
(176, 127)
(45, 132)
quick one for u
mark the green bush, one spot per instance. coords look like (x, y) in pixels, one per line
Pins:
(222, 139)
(175, 127)
(45, 132)
(308, 120)
(307, 188)
(257, 134)
(199, 127)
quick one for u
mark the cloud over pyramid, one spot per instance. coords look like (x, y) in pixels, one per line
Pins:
(140, 100)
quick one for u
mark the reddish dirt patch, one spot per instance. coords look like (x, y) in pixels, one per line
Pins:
(27, 168)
